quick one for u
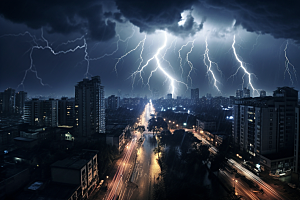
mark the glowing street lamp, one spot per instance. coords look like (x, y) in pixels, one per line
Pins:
(234, 181)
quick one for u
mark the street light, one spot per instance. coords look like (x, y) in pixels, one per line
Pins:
(107, 181)
(234, 181)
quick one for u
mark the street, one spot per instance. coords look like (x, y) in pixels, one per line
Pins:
(146, 169)
(241, 187)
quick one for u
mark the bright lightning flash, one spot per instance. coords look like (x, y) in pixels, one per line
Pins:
(179, 54)
(209, 66)
(245, 70)
(190, 63)
(157, 56)
(287, 64)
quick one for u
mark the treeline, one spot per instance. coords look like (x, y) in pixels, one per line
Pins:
(182, 167)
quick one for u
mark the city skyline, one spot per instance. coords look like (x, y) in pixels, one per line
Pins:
(194, 37)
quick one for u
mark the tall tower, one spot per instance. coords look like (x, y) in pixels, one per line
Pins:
(195, 93)
(90, 107)
(8, 103)
(20, 102)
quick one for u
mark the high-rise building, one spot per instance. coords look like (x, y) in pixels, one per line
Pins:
(239, 94)
(8, 101)
(246, 93)
(113, 102)
(66, 111)
(263, 93)
(297, 141)
(195, 93)
(169, 96)
(266, 125)
(41, 112)
(1, 102)
(50, 112)
(32, 112)
(90, 107)
(21, 97)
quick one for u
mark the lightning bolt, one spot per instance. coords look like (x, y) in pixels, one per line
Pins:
(180, 58)
(287, 64)
(155, 57)
(190, 63)
(117, 47)
(245, 70)
(36, 45)
(141, 42)
(255, 44)
(209, 66)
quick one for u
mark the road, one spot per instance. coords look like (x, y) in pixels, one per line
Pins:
(146, 169)
(242, 188)
(268, 190)
(121, 177)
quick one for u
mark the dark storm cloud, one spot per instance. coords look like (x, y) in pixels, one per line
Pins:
(116, 16)
(151, 15)
(67, 16)
(279, 18)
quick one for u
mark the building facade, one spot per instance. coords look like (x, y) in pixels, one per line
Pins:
(66, 111)
(41, 112)
(89, 107)
(113, 102)
(266, 125)
(79, 170)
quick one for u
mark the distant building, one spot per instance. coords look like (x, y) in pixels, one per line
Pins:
(239, 94)
(195, 93)
(90, 107)
(20, 102)
(246, 93)
(206, 125)
(113, 102)
(169, 96)
(263, 93)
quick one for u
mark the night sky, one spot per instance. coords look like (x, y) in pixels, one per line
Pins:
(48, 46)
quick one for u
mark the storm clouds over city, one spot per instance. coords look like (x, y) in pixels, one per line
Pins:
(141, 47)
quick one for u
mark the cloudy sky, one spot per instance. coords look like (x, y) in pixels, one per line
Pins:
(149, 46)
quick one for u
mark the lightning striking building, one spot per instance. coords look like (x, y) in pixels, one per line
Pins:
(90, 107)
